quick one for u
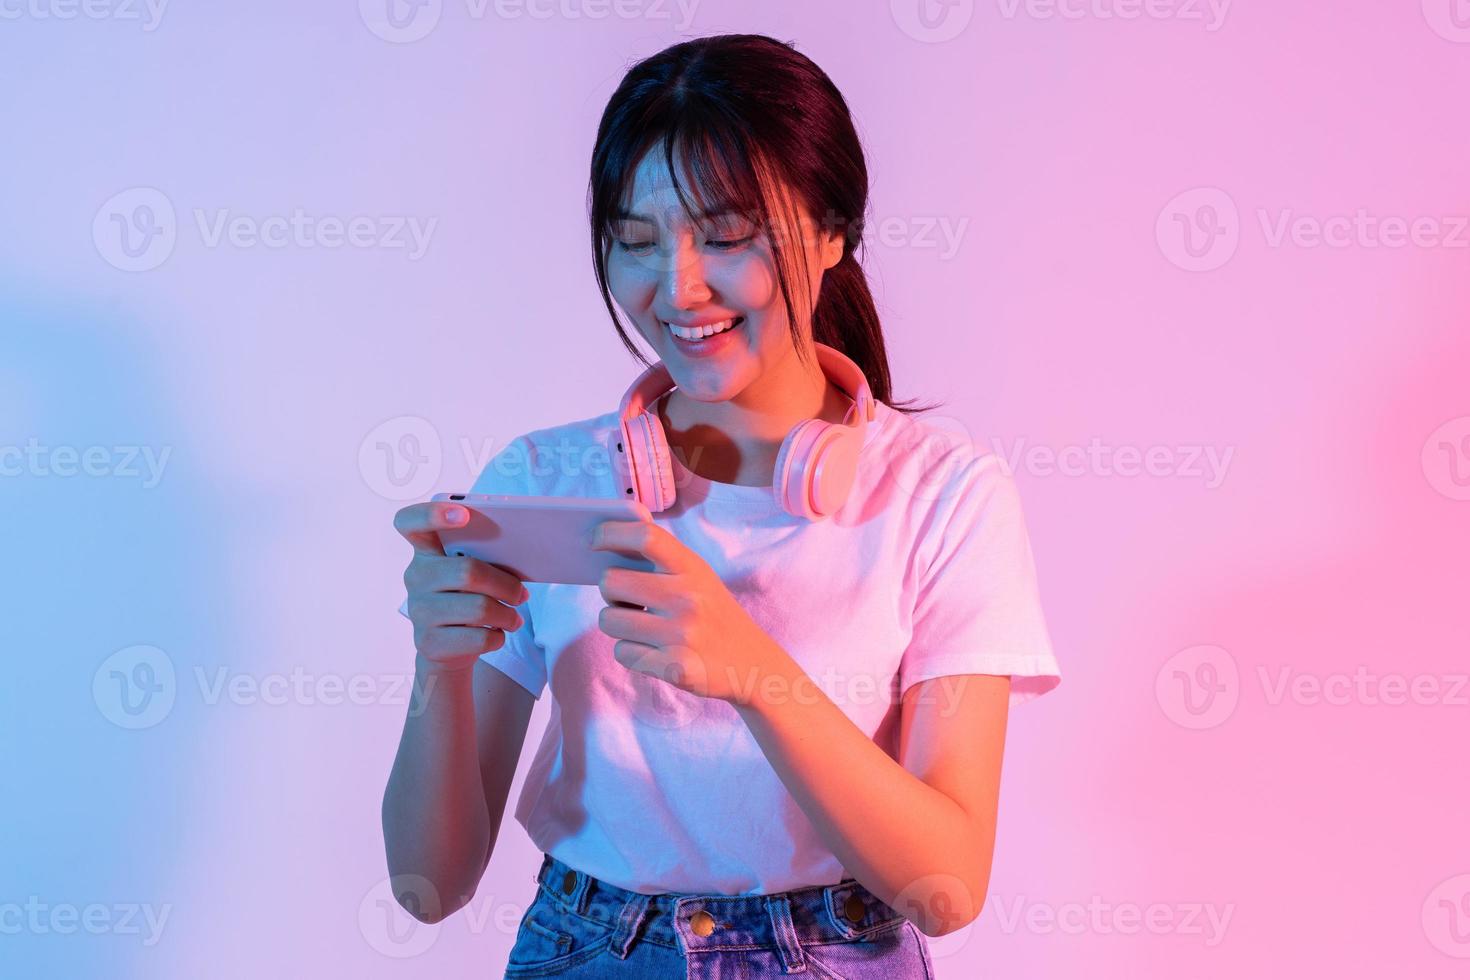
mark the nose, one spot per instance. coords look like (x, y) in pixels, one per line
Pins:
(683, 283)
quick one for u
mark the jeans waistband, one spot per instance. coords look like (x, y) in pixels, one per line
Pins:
(785, 920)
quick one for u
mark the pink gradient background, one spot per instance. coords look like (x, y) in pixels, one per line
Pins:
(1329, 833)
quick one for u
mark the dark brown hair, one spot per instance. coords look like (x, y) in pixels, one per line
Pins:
(741, 109)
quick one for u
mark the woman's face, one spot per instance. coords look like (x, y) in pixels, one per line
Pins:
(665, 268)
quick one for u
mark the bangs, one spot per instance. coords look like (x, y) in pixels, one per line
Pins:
(718, 175)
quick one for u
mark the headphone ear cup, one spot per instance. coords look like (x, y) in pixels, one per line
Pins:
(815, 468)
(655, 473)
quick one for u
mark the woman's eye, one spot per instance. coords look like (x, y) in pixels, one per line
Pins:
(719, 244)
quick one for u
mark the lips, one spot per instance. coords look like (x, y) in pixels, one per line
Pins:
(693, 332)
(711, 345)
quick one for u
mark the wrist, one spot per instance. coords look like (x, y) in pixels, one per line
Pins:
(424, 667)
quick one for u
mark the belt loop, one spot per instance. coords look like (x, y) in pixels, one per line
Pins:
(778, 906)
(581, 895)
(634, 911)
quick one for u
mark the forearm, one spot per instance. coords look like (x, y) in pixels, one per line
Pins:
(435, 821)
(905, 841)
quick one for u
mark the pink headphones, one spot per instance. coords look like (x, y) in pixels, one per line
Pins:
(814, 469)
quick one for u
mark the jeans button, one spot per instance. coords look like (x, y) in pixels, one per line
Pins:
(568, 882)
(702, 923)
(854, 909)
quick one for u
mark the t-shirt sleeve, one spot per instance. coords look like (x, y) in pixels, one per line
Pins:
(520, 658)
(978, 610)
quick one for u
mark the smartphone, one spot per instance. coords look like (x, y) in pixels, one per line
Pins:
(541, 539)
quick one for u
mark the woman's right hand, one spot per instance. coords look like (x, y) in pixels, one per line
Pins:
(459, 606)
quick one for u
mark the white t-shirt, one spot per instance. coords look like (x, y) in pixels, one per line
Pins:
(926, 571)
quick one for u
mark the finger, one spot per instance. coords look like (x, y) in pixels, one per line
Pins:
(463, 609)
(643, 539)
(455, 573)
(654, 591)
(421, 523)
(634, 625)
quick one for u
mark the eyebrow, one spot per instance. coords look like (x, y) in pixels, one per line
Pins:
(620, 214)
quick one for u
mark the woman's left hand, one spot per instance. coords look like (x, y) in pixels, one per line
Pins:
(690, 631)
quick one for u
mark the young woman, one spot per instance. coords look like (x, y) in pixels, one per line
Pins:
(780, 749)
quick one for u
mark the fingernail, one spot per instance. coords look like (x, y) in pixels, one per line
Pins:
(519, 623)
(525, 594)
(454, 514)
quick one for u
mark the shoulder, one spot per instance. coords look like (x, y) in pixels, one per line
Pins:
(940, 464)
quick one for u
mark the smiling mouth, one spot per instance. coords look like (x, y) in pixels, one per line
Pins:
(708, 330)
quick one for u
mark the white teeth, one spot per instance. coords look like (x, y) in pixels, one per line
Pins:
(699, 333)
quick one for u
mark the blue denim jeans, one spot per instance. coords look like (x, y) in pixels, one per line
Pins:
(578, 926)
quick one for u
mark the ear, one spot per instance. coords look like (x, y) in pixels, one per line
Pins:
(831, 247)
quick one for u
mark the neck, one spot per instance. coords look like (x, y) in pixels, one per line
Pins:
(736, 441)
